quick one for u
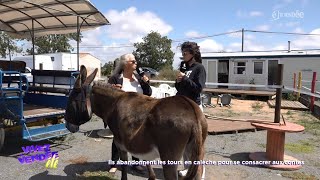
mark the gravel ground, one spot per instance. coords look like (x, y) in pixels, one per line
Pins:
(85, 151)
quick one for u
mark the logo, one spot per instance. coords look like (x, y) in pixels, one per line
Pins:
(52, 162)
(294, 14)
(39, 153)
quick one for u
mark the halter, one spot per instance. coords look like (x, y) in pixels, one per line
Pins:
(88, 101)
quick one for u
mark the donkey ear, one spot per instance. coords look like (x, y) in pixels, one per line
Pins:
(77, 84)
(83, 74)
(91, 77)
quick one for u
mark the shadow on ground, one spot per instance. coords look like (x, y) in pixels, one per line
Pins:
(75, 171)
(14, 143)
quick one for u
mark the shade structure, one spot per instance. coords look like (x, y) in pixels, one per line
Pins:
(20, 17)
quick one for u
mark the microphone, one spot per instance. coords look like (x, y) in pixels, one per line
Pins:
(140, 71)
(183, 67)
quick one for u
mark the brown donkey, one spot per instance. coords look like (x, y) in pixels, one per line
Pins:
(148, 128)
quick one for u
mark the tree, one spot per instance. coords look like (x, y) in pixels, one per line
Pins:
(53, 43)
(107, 68)
(6, 42)
(154, 51)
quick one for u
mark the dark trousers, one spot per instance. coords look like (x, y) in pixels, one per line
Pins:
(115, 156)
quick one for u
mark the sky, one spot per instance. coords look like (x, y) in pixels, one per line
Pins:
(182, 20)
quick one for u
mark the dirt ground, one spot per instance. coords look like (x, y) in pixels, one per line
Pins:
(248, 109)
(84, 155)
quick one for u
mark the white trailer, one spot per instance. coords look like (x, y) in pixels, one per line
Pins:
(260, 68)
(40, 60)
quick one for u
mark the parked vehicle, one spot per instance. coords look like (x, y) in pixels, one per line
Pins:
(150, 72)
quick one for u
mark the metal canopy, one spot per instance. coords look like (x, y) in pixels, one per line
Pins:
(43, 17)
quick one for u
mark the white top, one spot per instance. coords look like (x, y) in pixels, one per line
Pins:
(133, 86)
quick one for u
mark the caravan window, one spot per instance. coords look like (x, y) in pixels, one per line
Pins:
(239, 68)
(258, 67)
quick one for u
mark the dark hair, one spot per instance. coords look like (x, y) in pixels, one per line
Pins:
(194, 49)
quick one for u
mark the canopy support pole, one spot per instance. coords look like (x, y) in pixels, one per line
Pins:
(78, 39)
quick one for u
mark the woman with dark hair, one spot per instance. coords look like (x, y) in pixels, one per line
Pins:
(191, 79)
(192, 76)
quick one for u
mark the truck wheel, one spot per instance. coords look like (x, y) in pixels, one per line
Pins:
(2, 134)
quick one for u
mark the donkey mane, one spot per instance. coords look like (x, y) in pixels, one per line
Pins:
(101, 86)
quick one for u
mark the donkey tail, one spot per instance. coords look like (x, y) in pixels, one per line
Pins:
(197, 146)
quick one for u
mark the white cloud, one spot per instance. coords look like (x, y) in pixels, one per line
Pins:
(131, 24)
(255, 13)
(248, 46)
(207, 45)
(298, 30)
(292, 24)
(262, 27)
(192, 34)
(210, 45)
(127, 27)
(282, 4)
(307, 42)
(245, 14)
(241, 13)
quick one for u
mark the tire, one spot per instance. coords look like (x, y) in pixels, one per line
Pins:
(2, 135)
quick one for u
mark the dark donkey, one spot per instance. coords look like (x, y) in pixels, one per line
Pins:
(146, 127)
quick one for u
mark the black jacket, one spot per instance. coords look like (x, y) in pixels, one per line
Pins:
(193, 82)
(117, 79)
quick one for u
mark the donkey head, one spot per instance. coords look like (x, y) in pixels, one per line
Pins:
(78, 109)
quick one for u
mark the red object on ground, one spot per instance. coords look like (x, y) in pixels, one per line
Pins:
(313, 88)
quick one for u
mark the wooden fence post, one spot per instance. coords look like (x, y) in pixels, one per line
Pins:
(294, 82)
(313, 88)
(299, 84)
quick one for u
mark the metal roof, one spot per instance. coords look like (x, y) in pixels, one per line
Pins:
(260, 54)
(48, 17)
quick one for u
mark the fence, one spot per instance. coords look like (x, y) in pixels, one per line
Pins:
(313, 86)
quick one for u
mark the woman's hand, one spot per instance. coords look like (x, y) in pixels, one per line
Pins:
(145, 78)
(118, 86)
(180, 75)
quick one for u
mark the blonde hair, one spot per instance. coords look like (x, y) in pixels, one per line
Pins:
(122, 62)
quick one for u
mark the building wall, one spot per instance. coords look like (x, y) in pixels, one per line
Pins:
(307, 65)
(91, 63)
(259, 79)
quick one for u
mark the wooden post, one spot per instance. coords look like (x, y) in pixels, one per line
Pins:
(278, 94)
(299, 84)
(294, 80)
(313, 88)
(275, 145)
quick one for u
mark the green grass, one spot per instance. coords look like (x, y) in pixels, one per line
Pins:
(298, 175)
(289, 113)
(98, 175)
(261, 145)
(257, 106)
(304, 146)
(230, 113)
(310, 124)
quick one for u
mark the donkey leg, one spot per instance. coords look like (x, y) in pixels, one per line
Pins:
(152, 175)
(124, 171)
(170, 172)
